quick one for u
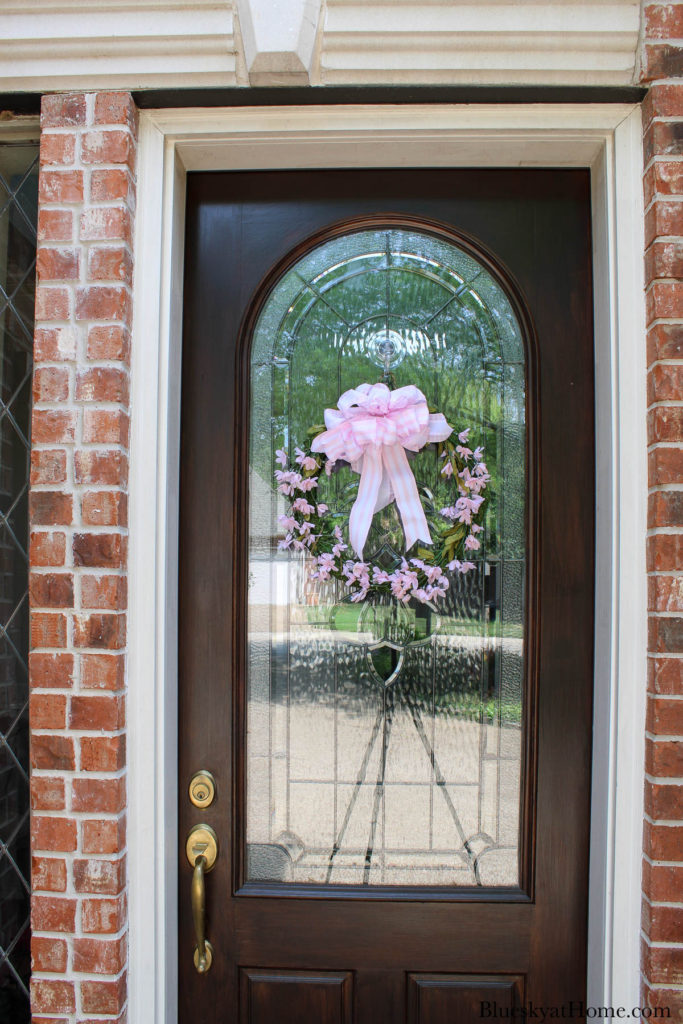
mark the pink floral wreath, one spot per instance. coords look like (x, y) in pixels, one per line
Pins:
(371, 429)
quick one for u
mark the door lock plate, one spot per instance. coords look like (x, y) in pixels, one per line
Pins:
(202, 789)
(202, 842)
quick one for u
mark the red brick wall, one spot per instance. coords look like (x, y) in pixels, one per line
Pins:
(78, 515)
(662, 959)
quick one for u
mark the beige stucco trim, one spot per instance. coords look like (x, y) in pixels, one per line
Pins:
(55, 45)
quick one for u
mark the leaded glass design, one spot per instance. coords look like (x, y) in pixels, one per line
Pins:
(18, 217)
(384, 742)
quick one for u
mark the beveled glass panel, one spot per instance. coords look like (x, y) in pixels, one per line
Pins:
(384, 741)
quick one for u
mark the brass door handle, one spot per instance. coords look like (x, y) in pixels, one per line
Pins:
(202, 955)
(202, 850)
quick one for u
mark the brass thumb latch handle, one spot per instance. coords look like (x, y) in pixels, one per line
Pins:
(202, 850)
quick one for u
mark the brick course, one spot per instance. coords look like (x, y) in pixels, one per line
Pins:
(79, 472)
(662, 919)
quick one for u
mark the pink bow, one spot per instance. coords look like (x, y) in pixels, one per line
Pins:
(370, 429)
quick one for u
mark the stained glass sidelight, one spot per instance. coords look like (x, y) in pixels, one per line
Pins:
(18, 216)
(384, 741)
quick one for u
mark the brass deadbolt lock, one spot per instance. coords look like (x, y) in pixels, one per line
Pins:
(202, 789)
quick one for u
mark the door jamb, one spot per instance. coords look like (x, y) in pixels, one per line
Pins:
(607, 138)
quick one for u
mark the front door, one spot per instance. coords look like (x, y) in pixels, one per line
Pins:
(386, 595)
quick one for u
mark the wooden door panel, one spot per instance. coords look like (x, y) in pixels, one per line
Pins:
(444, 998)
(367, 959)
(354, 937)
(295, 997)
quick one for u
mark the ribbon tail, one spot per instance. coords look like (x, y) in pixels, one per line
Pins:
(385, 495)
(407, 498)
(364, 505)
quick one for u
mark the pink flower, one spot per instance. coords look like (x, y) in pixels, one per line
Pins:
(286, 480)
(289, 522)
(464, 452)
(477, 484)
(473, 483)
(403, 581)
(471, 543)
(287, 476)
(447, 469)
(478, 454)
(433, 573)
(466, 507)
(474, 528)
(281, 456)
(340, 545)
(461, 567)
(380, 576)
(326, 566)
(322, 509)
(463, 435)
(357, 574)
(301, 505)
(308, 484)
(438, 589)
(399, 588)
(306, 462)
(286, 543)
(307, 537)
(357, 571)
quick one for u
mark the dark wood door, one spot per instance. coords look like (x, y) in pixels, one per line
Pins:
(322, 948)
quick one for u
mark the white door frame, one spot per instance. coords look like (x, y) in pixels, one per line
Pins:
(607, 138)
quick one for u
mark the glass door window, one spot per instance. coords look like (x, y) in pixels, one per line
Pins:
(385, 739)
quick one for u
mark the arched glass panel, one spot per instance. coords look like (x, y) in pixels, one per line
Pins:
(384, 739)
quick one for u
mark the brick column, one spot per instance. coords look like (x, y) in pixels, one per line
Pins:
(78, 514)
(662, 959)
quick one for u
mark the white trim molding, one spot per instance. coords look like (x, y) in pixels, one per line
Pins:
(50, 45)
(539, 42)
(604, 138)
(54, 45)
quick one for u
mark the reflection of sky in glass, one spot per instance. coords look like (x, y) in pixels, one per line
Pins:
(351, 779)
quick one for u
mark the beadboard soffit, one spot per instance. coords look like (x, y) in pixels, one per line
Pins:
(57, 44)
